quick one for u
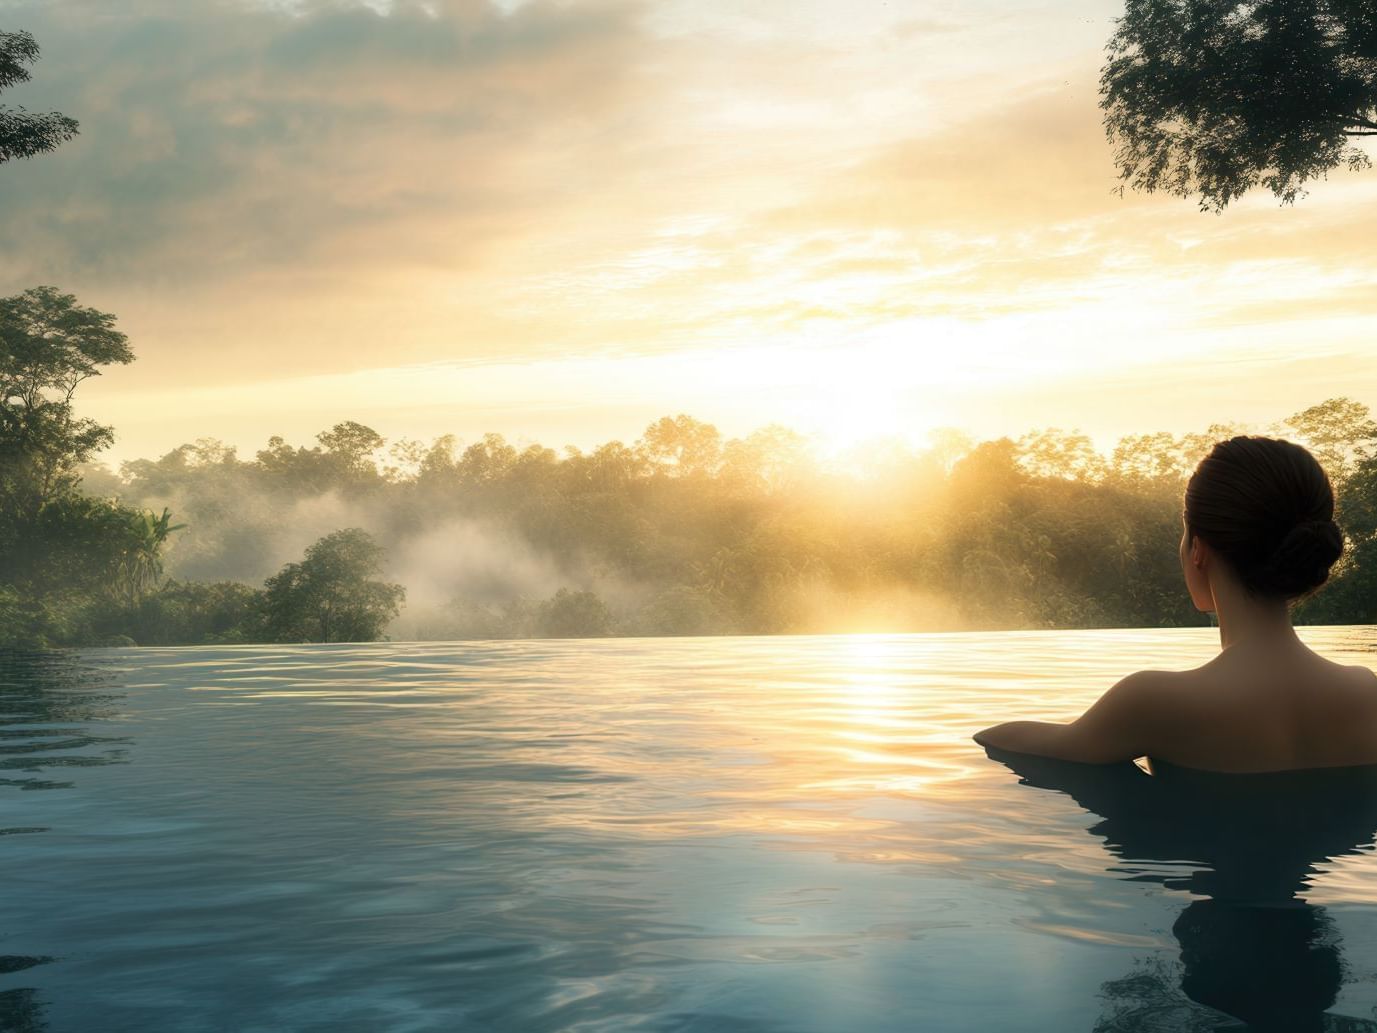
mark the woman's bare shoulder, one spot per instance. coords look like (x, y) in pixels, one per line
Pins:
(1219, 675)
(1154, 680)
(1183, 694)
(1154, 693)
(1362, 672)
(1354, 677)
(1363, 676)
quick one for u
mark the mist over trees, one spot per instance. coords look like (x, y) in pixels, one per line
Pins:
(683, 532)
(76, 567)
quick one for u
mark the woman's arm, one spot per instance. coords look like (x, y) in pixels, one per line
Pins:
(1119, 726)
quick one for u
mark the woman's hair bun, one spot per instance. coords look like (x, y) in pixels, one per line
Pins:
(1301, 562)
(1266, 506)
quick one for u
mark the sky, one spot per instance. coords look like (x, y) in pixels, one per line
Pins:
(560, 221)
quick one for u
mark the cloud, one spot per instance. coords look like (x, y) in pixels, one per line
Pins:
(1035, 161)
(1013, 209)
(218, 138)
(281, 203)
(927, 27)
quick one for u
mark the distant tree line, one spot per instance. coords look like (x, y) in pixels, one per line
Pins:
(685, 533)
(681, 532)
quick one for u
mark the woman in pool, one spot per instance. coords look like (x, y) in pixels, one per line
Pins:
(1258, 534)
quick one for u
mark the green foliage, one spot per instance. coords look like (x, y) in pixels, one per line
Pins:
(1340, 432)
(26, 622)
(177, 613)
(1043, 531)
(24, 134)
(573, 615)
(140, 564)
(1215, 97)
(1351, 595)
(49, 345)
(60, 549)
(330, 596)
(1055, 453)
(683, 446)
(465, 619)
(73, 551)
(683, 610)
(342, 462)
(351, 446)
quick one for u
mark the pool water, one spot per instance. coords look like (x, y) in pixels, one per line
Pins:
(747, 835)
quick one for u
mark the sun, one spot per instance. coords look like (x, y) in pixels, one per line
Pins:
(860, 416)
(893, 382)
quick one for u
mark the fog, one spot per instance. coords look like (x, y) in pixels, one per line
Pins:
(683, 533)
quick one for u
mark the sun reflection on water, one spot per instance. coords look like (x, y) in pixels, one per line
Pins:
(577, 834)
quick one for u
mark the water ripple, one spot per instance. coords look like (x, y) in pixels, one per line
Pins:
(757, 834)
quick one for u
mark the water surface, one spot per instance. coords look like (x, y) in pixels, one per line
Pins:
(746, 835)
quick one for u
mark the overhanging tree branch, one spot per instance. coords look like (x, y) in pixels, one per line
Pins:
(1210, 99)
(24, 134)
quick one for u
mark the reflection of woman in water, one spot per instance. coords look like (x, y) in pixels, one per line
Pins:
(1246, 846)
(1258, 533)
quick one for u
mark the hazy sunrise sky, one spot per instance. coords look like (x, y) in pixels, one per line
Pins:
(561, 220)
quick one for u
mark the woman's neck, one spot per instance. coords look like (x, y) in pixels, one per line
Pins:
(1246, 618)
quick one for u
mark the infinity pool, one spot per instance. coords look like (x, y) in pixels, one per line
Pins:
(744, 835)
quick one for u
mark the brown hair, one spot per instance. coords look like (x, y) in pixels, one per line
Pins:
(1266, 507)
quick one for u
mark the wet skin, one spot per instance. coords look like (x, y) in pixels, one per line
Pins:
(1267, 702)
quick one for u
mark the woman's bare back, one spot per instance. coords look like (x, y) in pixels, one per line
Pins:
(1257, 533)
(1267, 710)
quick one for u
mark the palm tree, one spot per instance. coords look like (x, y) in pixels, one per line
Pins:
(140, 565)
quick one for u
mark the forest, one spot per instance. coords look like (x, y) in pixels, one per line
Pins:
(680, 532)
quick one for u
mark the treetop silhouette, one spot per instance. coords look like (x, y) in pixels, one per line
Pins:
(1214, 97)
(24, 134)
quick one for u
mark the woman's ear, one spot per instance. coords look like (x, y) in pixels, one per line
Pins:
(1198, 557)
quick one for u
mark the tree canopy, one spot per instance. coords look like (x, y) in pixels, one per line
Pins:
(24, 134)
(49, 345)
(677, 533)
(330, 596)
(61, 550)
(757, 536)
(1211, 98)
(573, 615)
